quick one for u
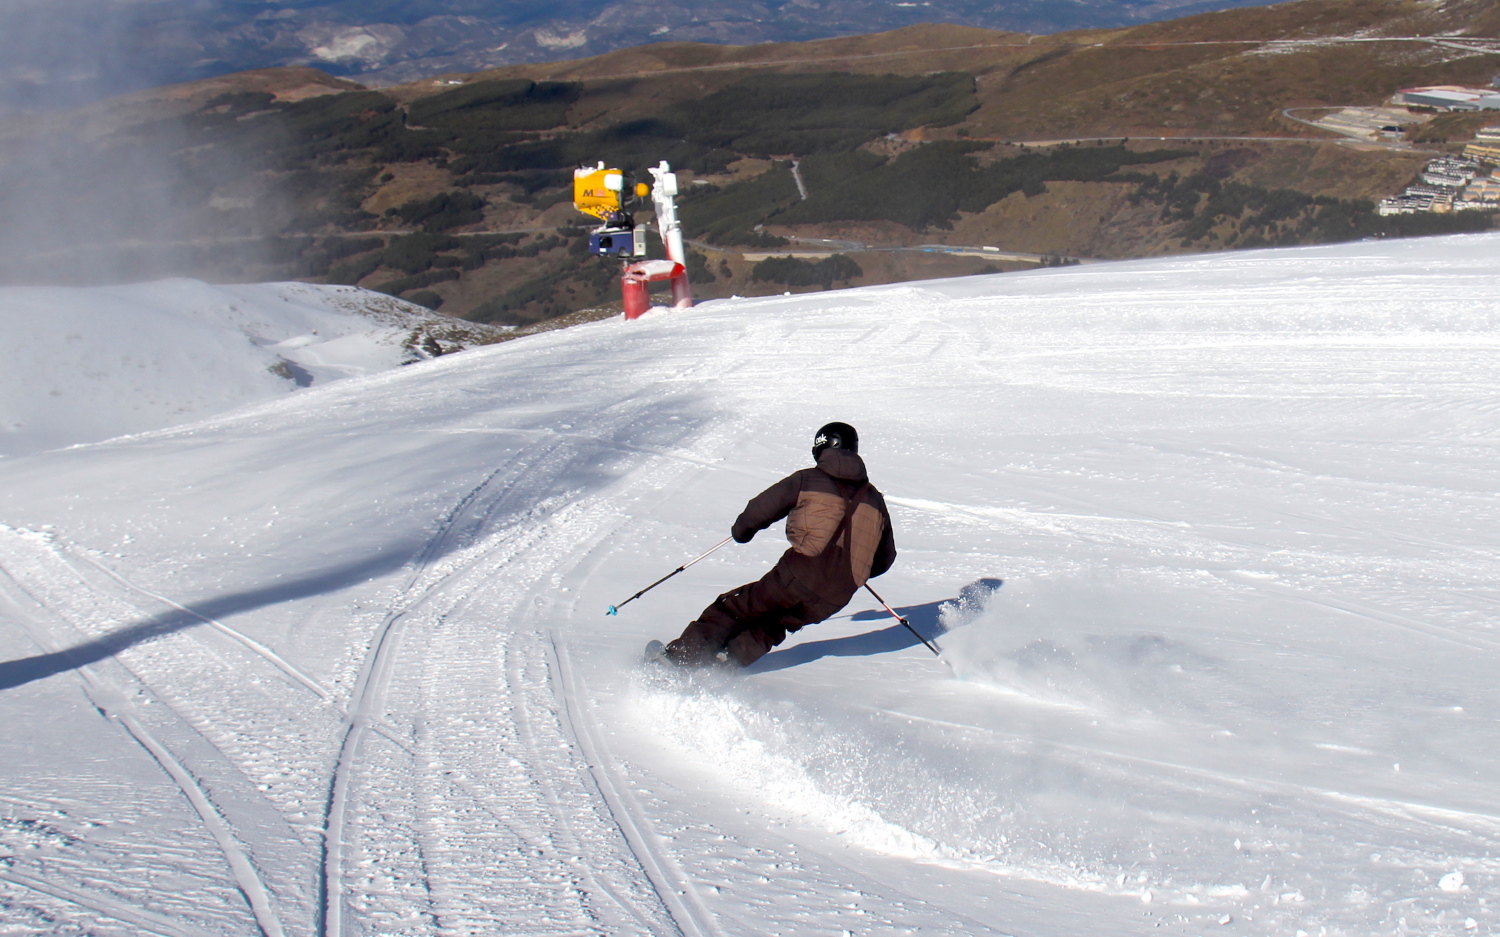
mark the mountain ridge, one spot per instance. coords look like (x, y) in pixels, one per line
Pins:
(466, 204)
(72, 51)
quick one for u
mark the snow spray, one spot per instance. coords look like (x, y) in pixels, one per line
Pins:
(914, 631)
(903, 621)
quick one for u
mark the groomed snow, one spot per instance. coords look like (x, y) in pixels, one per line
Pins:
(88, 364)
(1209, 544)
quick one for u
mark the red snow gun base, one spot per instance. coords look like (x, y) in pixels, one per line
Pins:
(635, 285)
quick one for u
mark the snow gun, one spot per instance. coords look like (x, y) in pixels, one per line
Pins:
(615, 609)
(608, 195)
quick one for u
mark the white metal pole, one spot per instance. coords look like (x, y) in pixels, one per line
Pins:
(664, 195)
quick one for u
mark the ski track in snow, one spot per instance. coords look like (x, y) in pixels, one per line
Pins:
(558, 886)
(1239, 673)
(211, 768)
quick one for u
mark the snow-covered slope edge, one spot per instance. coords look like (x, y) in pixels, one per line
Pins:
(90, 363)
(1239, 669)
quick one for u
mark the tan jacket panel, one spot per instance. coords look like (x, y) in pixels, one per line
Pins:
(812, 503)
(866, 529)
(812, 522)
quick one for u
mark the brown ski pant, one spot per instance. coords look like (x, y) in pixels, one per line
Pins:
(747, 622)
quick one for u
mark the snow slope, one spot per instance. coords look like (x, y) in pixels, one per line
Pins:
(1213, 541)
(90, 363)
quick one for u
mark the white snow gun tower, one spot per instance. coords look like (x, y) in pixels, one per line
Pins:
(608, 194)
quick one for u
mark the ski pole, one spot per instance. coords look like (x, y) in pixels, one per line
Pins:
(615, 609)
(903, 621)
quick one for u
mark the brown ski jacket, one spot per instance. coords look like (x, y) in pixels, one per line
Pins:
(837, 523)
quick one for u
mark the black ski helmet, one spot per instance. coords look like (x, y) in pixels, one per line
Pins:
(835, 436)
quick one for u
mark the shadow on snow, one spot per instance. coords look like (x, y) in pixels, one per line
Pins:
(926, 619)
(582, 467)
(930, 621)
(15, 673)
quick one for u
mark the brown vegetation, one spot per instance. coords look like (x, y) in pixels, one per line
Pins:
(1201, 84)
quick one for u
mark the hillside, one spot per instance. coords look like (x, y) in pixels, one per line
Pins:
(63, 52)
(453, 192)
(1208, 545)
(93, 363)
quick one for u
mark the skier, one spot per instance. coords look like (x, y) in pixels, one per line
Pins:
(840, 533)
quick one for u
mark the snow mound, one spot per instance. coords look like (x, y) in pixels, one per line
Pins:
(91, 363)
(347, 649)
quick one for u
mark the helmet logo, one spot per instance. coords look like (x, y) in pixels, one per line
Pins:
(835, 436)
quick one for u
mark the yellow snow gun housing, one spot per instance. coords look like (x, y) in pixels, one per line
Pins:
(607, 194)
(598, 192)
(603, 193)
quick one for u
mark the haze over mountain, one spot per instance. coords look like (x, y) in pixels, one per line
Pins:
(925, 151)
(67, 52)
